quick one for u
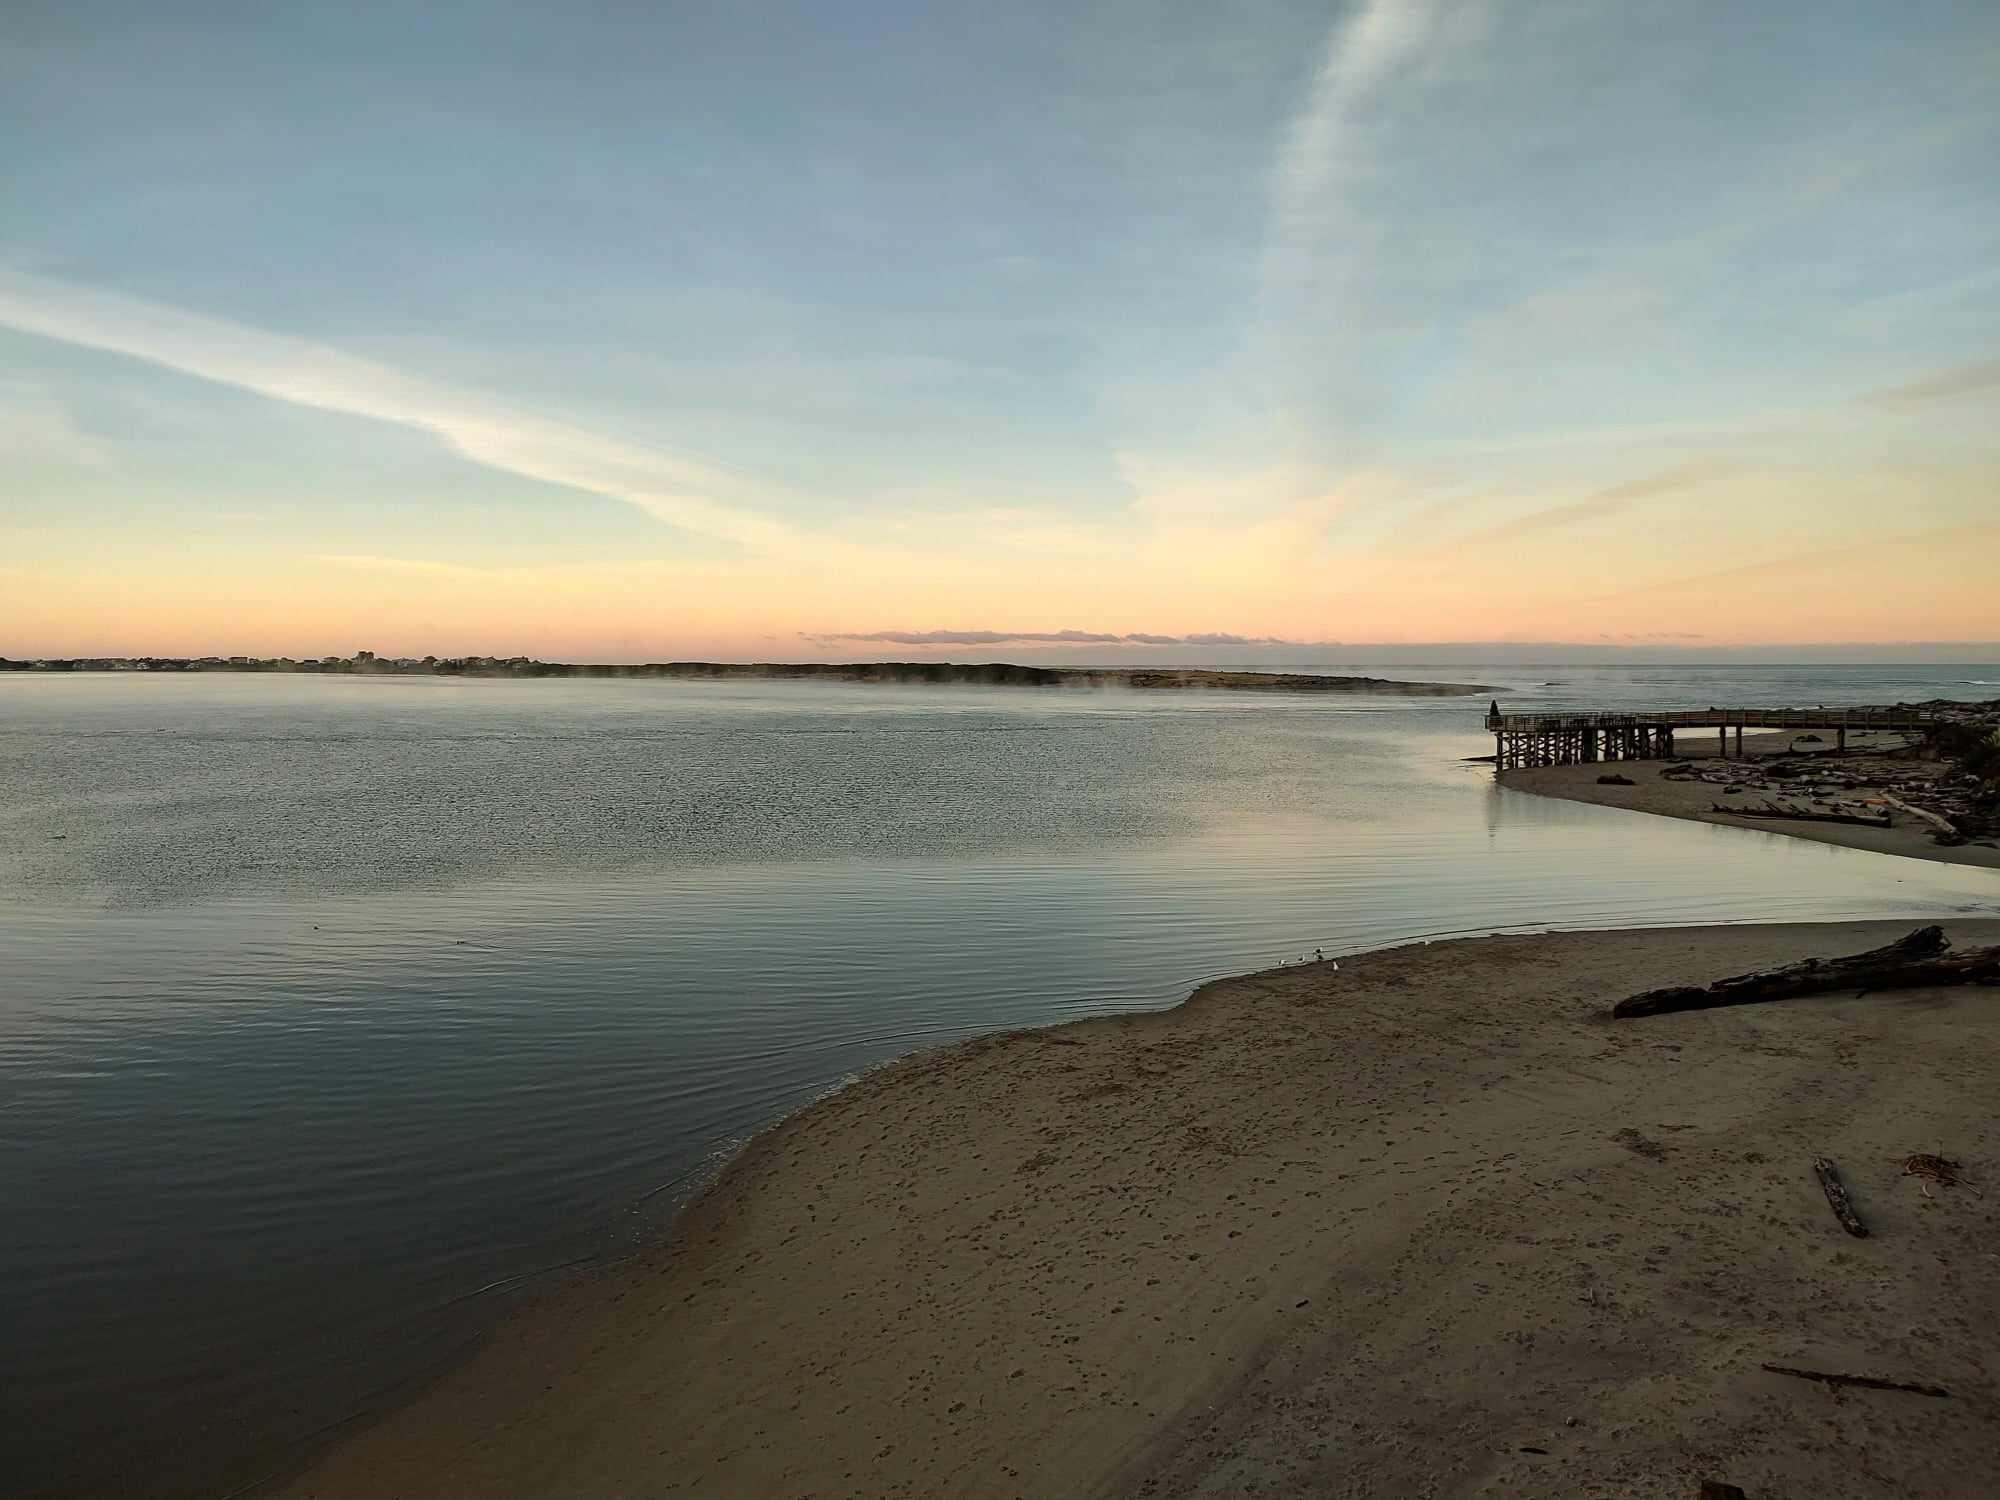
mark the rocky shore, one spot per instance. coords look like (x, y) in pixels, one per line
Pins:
(1885, 793)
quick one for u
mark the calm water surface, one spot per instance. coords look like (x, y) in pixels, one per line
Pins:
(334, 1010)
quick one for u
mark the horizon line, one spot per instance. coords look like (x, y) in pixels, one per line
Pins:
(1692, 655)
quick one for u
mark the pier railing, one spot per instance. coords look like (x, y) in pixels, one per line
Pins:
(1734, 718)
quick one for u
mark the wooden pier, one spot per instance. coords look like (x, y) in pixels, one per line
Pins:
(1572, 739)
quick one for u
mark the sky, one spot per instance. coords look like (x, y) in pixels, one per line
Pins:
(627, 331)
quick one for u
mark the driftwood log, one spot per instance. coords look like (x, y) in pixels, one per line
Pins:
(1837, 1199)
(1943, 828)
(1866, 1382)
(1908, 963)
(1865, 820)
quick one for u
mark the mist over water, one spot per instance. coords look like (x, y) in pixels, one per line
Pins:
(330, 1007)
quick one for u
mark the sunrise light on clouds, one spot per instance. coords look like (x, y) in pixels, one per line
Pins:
(1280, 325)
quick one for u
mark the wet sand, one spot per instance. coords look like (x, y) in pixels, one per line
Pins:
(1424, 1224)
(1696, 800)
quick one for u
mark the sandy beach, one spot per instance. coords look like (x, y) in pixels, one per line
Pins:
(1695, 800)
(1427, 1223)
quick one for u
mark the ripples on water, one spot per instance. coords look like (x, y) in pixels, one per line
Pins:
(329, 1003)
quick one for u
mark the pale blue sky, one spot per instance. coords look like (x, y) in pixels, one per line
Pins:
(709, 287)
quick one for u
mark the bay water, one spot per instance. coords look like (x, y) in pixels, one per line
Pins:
(337, 1013)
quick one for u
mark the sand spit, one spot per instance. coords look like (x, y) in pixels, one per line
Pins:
(916, 673)
(1696, 800)
(1425, 1224)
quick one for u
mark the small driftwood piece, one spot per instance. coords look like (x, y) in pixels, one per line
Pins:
(1837, 1199)
(1866, 1382)
(1940, 1169)
(1908, 963)
(1715, 1489)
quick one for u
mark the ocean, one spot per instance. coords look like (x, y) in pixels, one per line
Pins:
(337, 1013)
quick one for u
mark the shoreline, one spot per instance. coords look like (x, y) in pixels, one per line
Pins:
(1421, 1222)
(1695, 801)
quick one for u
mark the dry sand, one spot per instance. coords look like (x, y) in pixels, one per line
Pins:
(1696, 800)
(1428, 1224)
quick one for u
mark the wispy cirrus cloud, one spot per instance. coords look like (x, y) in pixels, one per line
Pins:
(1944, 385)
(36, 430)
(1055, 637)
(1342, 282)
(1975, 540)
(1612, 500)
(1363, 51)
(693, 494)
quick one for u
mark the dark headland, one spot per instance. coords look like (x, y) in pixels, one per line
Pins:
(988, 674)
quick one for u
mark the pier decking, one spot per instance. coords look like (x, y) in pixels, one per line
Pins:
(1569, 739)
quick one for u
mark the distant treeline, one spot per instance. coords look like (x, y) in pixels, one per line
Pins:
(995, 674)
